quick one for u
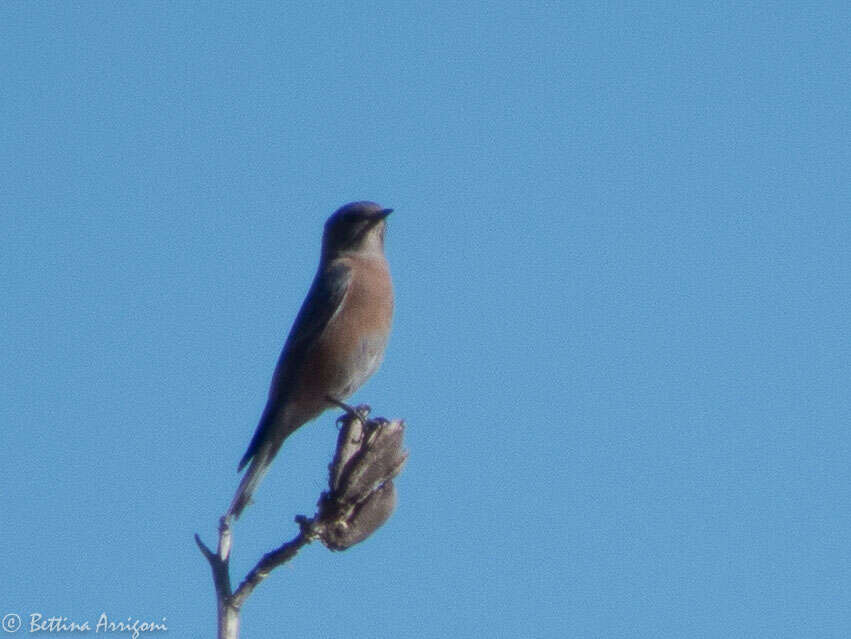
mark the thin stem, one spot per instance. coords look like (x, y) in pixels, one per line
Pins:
(229, 602)
(271, 560)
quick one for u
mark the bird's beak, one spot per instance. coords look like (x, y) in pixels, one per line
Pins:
(377, 217)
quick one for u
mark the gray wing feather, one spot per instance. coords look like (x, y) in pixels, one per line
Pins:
(323, 300)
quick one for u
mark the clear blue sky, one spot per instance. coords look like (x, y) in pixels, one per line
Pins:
(621, 254)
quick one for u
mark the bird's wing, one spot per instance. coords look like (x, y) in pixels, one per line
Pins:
(322, 303)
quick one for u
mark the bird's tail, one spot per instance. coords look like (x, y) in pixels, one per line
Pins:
(253, 476)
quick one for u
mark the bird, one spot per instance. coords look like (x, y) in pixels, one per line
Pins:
(336, 343)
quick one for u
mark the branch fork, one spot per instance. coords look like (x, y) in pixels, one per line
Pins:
(359, 500)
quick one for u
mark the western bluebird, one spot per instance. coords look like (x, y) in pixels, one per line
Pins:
(336, 342)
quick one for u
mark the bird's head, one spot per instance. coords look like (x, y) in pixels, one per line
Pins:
(358, 226)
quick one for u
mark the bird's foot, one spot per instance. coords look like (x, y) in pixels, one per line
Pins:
(361, 411)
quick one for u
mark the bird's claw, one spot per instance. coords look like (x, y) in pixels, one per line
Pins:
(361, 411)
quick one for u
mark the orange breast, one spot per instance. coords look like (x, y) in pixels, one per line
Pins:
(351, 347)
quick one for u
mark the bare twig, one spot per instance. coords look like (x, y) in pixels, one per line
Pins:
(228, 615)
(360, 498)
(271, 560)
